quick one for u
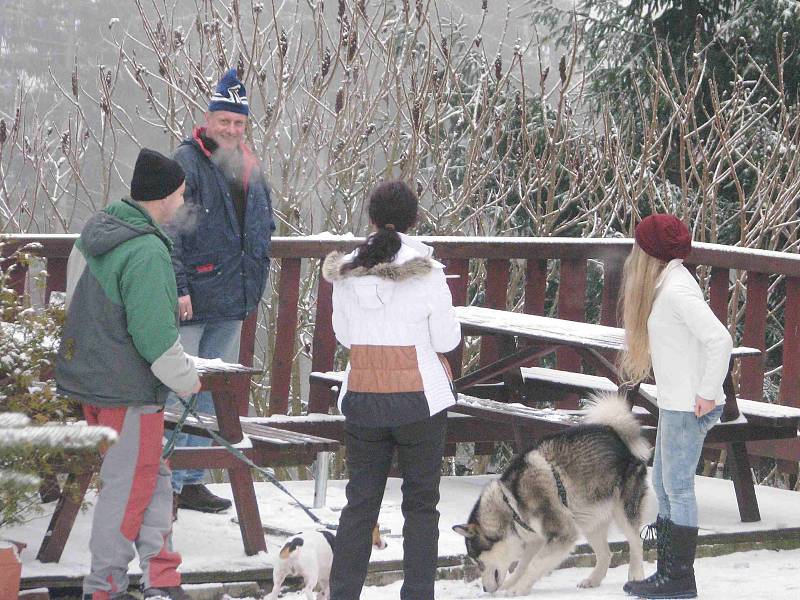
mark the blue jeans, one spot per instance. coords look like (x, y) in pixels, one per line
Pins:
(679, 443)
(215, 339)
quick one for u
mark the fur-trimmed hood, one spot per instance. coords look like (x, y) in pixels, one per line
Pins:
(374, 286)
(416, 267)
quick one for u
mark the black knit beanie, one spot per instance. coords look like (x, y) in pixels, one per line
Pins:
(155, 176)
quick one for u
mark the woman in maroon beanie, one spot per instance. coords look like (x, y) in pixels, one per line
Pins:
(670, 328)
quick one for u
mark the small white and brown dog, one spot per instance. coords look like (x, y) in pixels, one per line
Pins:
(309, 554)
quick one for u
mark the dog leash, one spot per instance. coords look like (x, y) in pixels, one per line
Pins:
(189, 409)
(188, 406)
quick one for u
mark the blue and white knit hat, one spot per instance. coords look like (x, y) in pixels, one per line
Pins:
(230, 95)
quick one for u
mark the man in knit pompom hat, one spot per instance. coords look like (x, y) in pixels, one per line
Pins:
(220, 254)
(120, 356)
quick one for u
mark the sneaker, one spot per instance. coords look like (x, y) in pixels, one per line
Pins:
(199, 497)
(175, 592)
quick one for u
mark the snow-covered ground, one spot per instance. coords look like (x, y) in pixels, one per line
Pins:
(212, 543)
(758, 575)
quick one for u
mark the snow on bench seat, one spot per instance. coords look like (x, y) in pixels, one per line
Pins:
(256, 433)
(759, 413)
(756, 412)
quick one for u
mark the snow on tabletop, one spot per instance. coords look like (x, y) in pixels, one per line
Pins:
(546, 328)
(553, 329)
(206, 365)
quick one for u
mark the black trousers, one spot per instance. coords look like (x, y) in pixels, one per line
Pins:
(419, 448)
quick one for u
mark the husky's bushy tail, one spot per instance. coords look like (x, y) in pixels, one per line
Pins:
(613, 410)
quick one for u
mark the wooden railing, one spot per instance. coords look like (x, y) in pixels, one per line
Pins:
(763, 269)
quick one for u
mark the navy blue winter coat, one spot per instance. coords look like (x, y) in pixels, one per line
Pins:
(223, 269)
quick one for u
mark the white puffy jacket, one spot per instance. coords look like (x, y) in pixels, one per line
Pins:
(396, 318)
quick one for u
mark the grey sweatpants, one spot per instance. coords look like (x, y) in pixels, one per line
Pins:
(134, 506)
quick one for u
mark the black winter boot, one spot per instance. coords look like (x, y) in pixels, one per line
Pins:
(196, 496)
(677, 579)
(658, 532)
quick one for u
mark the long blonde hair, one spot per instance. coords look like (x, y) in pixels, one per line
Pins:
(639, 277)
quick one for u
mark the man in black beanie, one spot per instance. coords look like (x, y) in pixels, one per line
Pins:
(222, 261)
(120, 355)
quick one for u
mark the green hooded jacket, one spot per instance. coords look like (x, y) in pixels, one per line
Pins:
(123, 314)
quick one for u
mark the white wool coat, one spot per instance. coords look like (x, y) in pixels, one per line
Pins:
(689, 347)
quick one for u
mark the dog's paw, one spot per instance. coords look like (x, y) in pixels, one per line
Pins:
(590, 582)
(515, 590)
(635, 574)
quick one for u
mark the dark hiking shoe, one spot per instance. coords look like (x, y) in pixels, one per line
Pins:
(175, 592)
(198, 497)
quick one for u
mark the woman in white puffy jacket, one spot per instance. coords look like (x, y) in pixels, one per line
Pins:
(393, 310)
(670, 327)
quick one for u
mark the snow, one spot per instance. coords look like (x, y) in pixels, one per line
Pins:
(753, 575)
(548, 329)
(478, 240)
(211, 542)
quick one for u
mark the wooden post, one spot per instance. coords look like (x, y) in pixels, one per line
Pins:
(612, 282)
(572, 306)
(323, 347)
(790, 376)
(497, 276)
(459, 288)
(283, 352)
(535, 286)
(718, 293)
(755, 327)
(69, 504)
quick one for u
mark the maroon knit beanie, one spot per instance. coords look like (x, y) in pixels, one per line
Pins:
(664, 237)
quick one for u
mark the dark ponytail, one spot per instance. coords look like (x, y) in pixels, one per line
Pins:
(393, 210)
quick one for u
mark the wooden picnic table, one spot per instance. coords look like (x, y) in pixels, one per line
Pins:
(523, 338)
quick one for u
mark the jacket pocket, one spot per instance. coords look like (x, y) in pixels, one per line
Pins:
(708, 420)
(201, 266)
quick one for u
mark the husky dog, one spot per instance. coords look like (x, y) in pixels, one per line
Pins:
(576, 481)
(309, 554)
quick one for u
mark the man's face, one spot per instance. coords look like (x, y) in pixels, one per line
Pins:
(172, 203)
(226, 128)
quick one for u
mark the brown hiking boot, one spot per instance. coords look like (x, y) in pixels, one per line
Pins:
(199, 497)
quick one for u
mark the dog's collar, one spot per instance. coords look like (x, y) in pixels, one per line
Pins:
(515, 515)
